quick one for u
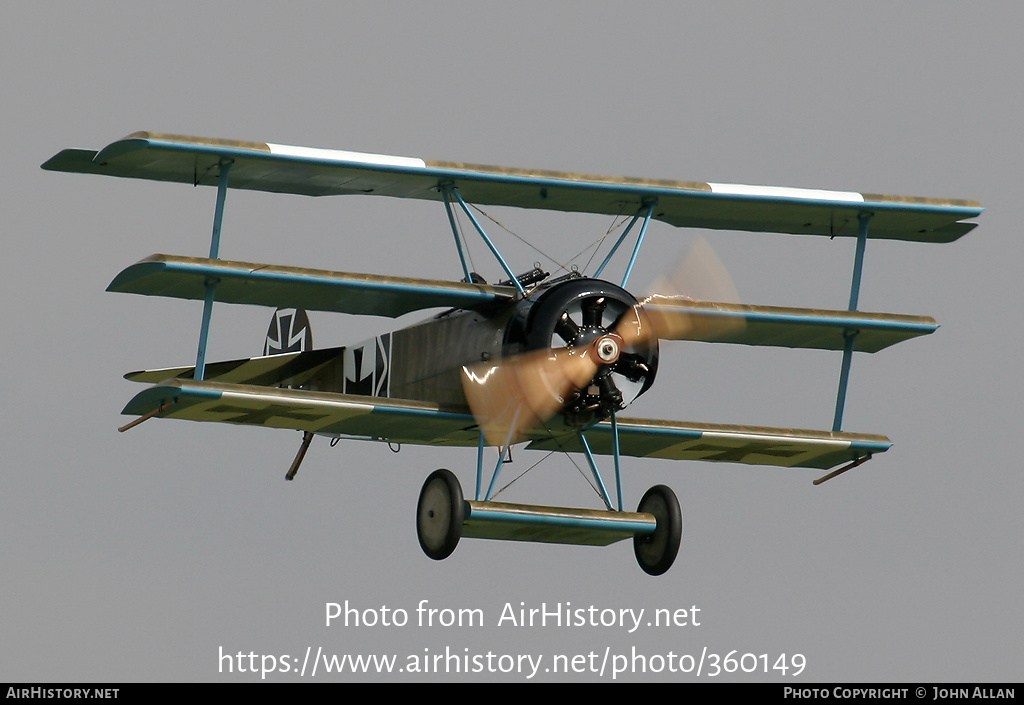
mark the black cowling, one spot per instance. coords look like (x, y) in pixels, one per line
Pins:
(572, 313)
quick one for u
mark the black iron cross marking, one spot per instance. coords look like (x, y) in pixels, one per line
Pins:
(741, 452)
(260, 416)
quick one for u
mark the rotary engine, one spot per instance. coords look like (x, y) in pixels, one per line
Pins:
(571, 314)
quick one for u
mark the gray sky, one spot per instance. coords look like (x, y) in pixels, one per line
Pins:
(140, 556)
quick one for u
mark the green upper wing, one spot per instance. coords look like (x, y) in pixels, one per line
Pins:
(321, 172)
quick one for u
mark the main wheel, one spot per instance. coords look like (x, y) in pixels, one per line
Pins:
(657, 551)
(439, 514)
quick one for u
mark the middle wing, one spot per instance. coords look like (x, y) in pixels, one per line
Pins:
(369, 294)
(787, 327)
(296, 287)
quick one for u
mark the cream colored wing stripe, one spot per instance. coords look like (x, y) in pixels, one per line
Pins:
(340, 155)
(786, 192)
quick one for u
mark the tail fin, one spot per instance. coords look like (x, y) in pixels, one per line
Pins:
(289, 332)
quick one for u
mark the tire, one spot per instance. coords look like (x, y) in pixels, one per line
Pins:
(657, 551)
(440, 513)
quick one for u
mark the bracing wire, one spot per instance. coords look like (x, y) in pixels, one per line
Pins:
(561, 449)
(465, 241)
(617, 223)
(518, 237)
(600, 241)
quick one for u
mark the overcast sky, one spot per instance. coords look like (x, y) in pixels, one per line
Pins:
(146, 555)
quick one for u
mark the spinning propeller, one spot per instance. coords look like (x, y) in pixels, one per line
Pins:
(589, 348)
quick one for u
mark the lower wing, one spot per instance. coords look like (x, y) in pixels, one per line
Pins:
(413, 422)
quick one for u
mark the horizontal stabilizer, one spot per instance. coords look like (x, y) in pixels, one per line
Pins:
(279, 370)
(788, 327)
(752, 445)
(321, 172)
(295, 287)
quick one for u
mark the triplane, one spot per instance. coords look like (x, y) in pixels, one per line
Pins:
(546, 361)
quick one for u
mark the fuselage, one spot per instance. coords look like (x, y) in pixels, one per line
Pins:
(425, 361)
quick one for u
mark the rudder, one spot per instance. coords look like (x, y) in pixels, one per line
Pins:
(289, 332)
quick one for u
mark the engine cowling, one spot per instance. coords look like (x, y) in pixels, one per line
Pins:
(574, 313)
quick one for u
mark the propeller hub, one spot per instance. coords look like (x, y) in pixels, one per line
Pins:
(607, 349)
